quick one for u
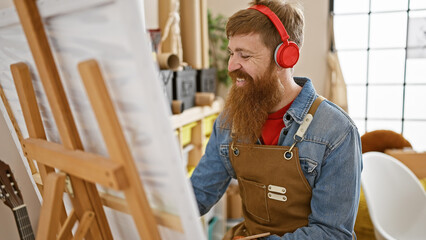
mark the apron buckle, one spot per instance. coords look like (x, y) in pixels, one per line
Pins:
(288, 155)
(235, 150)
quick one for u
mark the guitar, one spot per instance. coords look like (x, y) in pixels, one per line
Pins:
(12, 197)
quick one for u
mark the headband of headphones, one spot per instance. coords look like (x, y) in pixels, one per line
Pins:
(274, 19)
(287, 53)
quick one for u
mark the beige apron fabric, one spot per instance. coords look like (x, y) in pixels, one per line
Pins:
(259, 168)
(274, 191)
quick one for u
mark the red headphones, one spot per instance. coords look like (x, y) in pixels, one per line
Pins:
(287, 53)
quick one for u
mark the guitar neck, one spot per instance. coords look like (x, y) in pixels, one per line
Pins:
(23, 223)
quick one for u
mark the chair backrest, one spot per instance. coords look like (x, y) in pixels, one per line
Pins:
(395, 197)
(381, 140)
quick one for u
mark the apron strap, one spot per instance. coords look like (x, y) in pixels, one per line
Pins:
(300, 133)
(315, 105)
(298, 137)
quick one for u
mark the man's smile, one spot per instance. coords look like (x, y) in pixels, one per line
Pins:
(240, 82)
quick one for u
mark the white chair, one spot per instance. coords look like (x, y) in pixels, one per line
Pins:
(395, 198)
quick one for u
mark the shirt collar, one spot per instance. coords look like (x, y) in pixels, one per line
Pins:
(303, 101)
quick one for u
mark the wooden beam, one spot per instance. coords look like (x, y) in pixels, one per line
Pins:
(27, 99)
(197, 139)
(50, 210)
(163, 218)
(88, 166)
(84, 225)
(67, 226)
(118, 149)
(24, 87)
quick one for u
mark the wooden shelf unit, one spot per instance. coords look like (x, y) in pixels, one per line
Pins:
(199, 116)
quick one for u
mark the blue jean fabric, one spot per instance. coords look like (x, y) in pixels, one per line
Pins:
(330, 157)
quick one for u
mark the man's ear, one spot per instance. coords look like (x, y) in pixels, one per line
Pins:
(279, 69)
(284, 72)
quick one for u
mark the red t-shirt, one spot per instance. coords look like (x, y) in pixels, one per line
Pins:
(272, 128)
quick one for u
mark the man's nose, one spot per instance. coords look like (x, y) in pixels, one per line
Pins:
(233, 64)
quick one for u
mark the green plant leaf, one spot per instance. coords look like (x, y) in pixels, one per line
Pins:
(218, 47)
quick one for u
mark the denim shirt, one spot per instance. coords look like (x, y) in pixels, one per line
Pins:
(330, 158)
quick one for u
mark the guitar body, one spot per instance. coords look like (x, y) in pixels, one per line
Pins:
(12, 197)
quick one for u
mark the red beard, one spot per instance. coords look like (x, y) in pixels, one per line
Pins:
(247, 107)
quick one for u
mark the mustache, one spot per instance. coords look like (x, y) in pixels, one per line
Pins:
(239, 74)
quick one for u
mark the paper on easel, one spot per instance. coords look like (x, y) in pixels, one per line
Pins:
(112, 33)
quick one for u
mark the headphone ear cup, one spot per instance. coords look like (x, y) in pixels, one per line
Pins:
(286, 54)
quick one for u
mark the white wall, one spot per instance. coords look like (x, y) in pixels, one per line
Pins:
(312, 61)
(9, 154)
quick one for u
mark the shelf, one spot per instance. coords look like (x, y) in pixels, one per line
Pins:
(196, 113)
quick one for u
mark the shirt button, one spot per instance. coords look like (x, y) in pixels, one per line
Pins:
(285, 132)
(288, 117)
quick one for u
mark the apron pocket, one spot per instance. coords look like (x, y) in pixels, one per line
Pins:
(254, 198)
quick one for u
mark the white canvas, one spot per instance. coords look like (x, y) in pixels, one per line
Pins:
(111, 32)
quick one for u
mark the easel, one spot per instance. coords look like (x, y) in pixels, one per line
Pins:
(79, 170)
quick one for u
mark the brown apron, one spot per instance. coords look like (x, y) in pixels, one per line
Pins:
(275, 193)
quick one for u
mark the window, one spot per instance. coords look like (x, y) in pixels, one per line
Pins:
(381, 45)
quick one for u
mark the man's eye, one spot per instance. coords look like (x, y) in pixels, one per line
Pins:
(245, 56)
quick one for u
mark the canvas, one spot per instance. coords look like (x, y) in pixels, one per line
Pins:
(113, 33)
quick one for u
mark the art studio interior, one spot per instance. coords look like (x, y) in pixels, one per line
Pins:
(154, 119)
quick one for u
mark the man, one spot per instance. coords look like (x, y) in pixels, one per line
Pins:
(296, 156)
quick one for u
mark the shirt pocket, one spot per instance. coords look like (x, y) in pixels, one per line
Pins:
(308, 166)
(310, 170)
(311, 154)
(254, 198)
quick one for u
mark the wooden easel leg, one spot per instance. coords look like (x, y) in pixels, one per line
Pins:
(24, 87)
(65, 231)
(50, 210)
(118, 149)
(84, 226)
